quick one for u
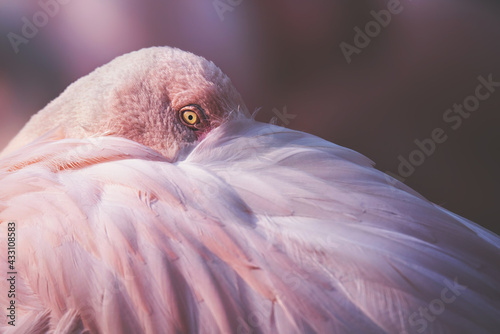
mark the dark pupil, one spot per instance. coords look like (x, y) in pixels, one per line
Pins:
(190, 117)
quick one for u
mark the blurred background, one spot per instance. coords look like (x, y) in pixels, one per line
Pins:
(285, 56)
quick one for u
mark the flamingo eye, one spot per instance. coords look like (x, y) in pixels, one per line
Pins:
(190, 116)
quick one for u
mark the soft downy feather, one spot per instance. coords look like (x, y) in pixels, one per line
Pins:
(260, 229)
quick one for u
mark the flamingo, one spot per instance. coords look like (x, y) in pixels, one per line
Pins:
(145, 200)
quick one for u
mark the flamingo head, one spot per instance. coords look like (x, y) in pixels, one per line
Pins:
(161, 97)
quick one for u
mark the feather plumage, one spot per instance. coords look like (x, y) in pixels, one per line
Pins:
(260, 229)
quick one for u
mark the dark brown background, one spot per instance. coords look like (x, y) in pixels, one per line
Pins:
(285, 53)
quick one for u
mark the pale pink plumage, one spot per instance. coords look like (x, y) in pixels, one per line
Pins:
(254, 229)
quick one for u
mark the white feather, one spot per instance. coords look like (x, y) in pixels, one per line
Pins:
(260, 229)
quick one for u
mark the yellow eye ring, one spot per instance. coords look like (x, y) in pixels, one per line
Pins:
(191, 116)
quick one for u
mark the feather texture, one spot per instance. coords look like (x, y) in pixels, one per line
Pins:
(260, 229)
